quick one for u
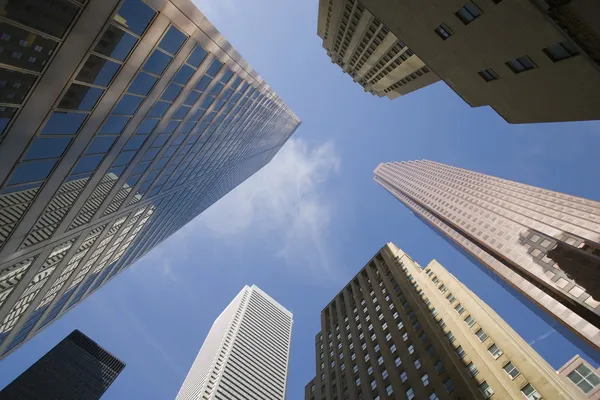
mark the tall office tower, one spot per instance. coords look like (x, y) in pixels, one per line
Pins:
(75, 369)
(366, 50)
(246, 352)
(121, 121)
(400, 331)
(530, 60)
(584, 375)
(542, 243)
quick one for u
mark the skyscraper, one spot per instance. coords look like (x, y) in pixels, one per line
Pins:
(398, 331)
(478, 48)
(541, 243)
(121, 120)
(246, 352)
(75, 369)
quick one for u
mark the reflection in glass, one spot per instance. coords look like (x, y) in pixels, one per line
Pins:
(24, 49)
(80, 97)
(171, 126)
(124, 158)
(14, 86)
(6, 114)
(191, 98)
(181, 112)
(157, 62)
(87, 163)
(47, 147)
(142, 84)
(32, 171)
(135, 142)
(203, 83)
(171, 92)
(197, 56)
(214, 68)
(115, 43)
(184, 75)
(146, 126)
(159, 109)
(63, 123)
(100, 144)
(128, 105)
(52, 17)
(98, 71)
(135, 15)
(172, 40)
(114, 125)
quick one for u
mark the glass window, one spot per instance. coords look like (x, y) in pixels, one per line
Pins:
(14, 86)
(197, 56)
(100, 144)
(171, 126)
(486, 390)
(425, 380)
(47, 147)
(98, 70)
(439, 367)
(135, 15)
(160, 140)
(520, 64)
(404, 376)
(36, 15)
(157, 62)
(560, 51)
(584, 378)
(181, 112)
(410, 394)
(135, 142)
(146, 126)
(80, 97)
(171, 92)
(495, 351)
(511, 370)
(472, 369)
(32, 171)
(461, 352)
(203, 83)
(63, 123)
(6, 114)
(449, 385)
(87, 163)
(469, 321)
(481, 334)
(159, 109)
(128, 105)
(43, 47)
(115, 43)
(114, 125)
(191, 98)
(444, 32)
(530, 393)
(172, 40)
(468, 13)
(215, 66)
(184, 74)
(124, 158)
(488, 75)
(142, 84)
(433, 396)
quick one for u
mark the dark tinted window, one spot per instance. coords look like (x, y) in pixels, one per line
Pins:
(80, 97)
(47, 147)
(142, 84)
(98, 70)
(32, 171)
(172, 40)
(157, 62)
(115, 43)
(63, 123)
(50, 17)
(35, 50)
(14, 86)
(135, 15)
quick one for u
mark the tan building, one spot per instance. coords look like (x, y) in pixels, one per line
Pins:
(582, 374)
(518, 57)
(367, 51)
(400, 331)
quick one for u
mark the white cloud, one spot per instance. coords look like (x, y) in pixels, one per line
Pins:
(541, 337)
(287, 200)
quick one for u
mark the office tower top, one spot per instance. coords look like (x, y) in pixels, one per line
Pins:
(584, 375)
(367, 51)
(246, 352)
(400, 331)
(542, 243)
(530, 60)
(75, 369)
(121, 120)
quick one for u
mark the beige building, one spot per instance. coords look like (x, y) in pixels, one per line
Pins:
(530, 60)
(582, 374)
(367, 51)
(400, 331)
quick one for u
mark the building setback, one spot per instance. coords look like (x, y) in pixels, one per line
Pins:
(246, 352)
(120, 121)
(400, 331)
(75, 369)
(541, 243)
(530, 60)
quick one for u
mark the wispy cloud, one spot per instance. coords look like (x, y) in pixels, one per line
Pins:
(287, 200)
(543, 336)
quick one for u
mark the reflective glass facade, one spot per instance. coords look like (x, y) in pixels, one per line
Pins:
(120, 120)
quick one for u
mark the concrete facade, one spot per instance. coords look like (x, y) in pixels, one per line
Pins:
(510, 55)
(367, 51)
(541, 243)
(133, 119)
(398, 330)
(582, 374)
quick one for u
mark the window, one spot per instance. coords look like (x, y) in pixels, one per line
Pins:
(468, 13)
(380, 360)
(425, 380)
(405, 336)
(384, 374)
(403, 376)
(449, 385)
(417, 363)
(486, 390)
(584, 378)
(495, 351)
(397, 361)
(469, 321)
(410, 394)
(530, 393)
(481, 335)
(389, 390)
(357, 381)
(373, 385)
(461, 352)
(411, 349)
(472, 369)
(511, 370)
(451, 298)
(560, 51)
(450, 337)
(520, 64)
(444, 32)
(459, 308)
(433, 396)
(370, 371)
(488, 75)
(439, 367)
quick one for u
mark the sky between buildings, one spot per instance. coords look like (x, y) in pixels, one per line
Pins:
(303, 226)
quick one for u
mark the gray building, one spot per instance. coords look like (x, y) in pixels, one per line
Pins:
(75, 369)
(121, 120)
(539, 244)
(530, 60)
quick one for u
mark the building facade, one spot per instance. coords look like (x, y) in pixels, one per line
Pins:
(582, 374)
(121, 120)
(245, 354)
(366, 50)
(530, 60)
(400, 331)
(75, 369)
(541, 243)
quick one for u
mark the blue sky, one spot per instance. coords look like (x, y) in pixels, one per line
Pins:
(305, 224)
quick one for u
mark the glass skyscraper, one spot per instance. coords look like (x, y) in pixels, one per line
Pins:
(541, 245)
(120, 121)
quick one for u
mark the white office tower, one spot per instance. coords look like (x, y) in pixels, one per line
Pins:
(245, 354)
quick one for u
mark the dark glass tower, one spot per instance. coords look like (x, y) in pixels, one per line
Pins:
(121, 120)
(75, 369)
